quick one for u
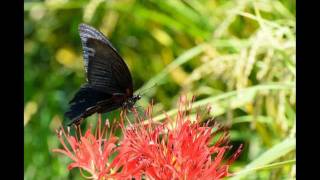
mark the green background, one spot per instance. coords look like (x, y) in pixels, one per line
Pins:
(238, 56)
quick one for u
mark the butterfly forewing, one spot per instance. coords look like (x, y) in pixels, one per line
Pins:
(87, 32)
(106, 70)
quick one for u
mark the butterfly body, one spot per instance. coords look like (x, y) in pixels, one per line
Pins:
(109, 83)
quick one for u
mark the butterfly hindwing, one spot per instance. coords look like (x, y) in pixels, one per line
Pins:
(85, 103)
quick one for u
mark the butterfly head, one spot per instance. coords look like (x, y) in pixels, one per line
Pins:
(136, 97)
(129, 104)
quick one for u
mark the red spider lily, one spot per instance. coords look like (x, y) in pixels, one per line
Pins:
(90, 152)
(180, 150)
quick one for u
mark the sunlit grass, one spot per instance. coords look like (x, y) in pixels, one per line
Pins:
(238, 56)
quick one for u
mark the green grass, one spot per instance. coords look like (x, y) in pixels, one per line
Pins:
(238, 56)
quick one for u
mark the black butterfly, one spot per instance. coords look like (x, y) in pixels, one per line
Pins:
(109, 83)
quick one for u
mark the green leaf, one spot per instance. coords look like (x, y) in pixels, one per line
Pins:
(267, 157)
(229, 96)
(183, 58)
(269, 166)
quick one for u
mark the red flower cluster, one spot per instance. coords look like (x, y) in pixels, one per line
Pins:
(89, 152)
(180, 148)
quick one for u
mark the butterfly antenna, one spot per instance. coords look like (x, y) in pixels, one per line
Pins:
(146, 90)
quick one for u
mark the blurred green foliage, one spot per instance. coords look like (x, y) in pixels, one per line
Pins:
(237, 55)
